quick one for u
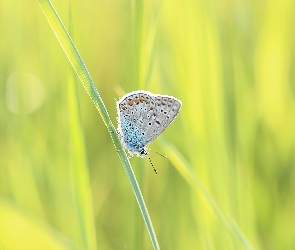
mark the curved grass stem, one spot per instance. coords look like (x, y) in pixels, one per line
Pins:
(78, 65)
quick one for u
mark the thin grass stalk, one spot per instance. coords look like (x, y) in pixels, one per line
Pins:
(186, 171)
(78, 167)
(87, 82)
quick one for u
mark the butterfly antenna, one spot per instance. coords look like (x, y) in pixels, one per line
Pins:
(152, 165)
(164, 156)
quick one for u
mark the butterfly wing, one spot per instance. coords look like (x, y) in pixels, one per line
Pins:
(133, 111)
(142, 116)
(166, 109)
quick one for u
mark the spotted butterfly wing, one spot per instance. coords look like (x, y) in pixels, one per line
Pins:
(143, 116)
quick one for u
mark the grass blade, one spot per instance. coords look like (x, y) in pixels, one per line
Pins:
(82, 72)
(17, 227)
(186, 171)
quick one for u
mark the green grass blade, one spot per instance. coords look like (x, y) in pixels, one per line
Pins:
(78, 168)
(186, 171)
(138, 23)
(82, 72)
(18, 227)
(79, 172)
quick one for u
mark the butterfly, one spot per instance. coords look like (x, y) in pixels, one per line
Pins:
(142, 117)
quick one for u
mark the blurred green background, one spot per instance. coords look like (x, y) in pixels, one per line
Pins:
(232, 65)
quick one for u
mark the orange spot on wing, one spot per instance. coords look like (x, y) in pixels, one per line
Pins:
(122, 108)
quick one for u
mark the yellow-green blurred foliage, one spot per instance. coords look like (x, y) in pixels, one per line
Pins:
(232, 65)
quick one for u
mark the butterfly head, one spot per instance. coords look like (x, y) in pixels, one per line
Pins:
(143, 152)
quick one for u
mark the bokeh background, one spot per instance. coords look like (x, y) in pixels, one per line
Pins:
(229, 180)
